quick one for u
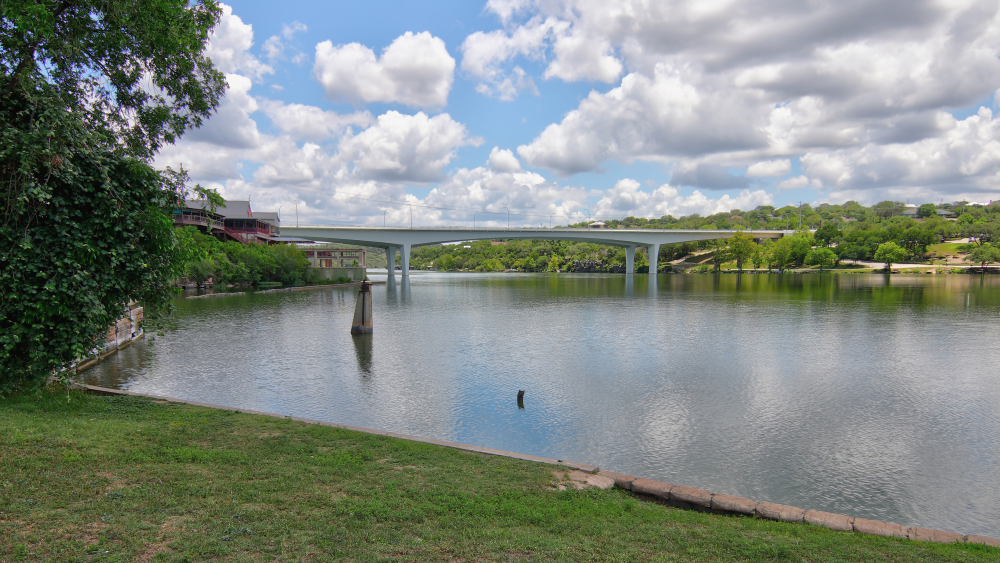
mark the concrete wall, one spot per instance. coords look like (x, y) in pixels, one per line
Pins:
(354, 273)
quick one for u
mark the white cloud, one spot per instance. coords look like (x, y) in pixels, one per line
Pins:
(963, 160)
(503, 160)
(274, 47)
(506, 8)
(231, 125)
(798, 182)
(669, 116)
(415, 70)
(400, 147)
(484, 53)
(229, 44)
(627, 198)
(734, 84)
(778, 167)
(310, 122)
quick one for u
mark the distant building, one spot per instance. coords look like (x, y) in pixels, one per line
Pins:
(909, 210)
(329, 262)
(234, 220)
(597, 225)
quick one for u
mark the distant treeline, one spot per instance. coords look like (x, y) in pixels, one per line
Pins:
(847, 232)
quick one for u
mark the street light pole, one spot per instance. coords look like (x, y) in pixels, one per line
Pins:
(508, 218)
(474, 220)
(411, 216)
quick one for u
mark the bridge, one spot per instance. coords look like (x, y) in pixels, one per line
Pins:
(401, 240)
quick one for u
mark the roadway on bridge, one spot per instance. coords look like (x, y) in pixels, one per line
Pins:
(402, 240)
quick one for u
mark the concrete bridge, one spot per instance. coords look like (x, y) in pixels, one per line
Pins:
(394, 239)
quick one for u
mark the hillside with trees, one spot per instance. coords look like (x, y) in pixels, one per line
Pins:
(829, 235)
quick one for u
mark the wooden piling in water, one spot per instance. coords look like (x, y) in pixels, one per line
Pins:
(363, 310)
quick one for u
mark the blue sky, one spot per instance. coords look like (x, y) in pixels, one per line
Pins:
(352, 112)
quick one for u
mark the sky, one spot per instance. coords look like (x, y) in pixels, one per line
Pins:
(549, 112)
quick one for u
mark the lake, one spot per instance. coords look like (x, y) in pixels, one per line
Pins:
(859, 394)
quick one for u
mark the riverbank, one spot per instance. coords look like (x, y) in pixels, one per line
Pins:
(201, 483)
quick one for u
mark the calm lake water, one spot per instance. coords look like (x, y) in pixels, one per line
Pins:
(848, 393)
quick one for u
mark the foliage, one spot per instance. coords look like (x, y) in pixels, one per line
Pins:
(101, 241)
(242, 264)
(741, 247)
(984, 254)
(827, 234)
(889, 252)
(88, 91)
(822, 257)
(927, 210)
(133, 71)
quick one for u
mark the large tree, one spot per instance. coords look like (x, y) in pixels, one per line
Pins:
(89, 90)
(741, 248)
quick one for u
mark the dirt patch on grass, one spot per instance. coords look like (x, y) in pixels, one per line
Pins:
(268, 434)
(152, 550)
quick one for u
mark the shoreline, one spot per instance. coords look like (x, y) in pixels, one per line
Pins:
(678, 496)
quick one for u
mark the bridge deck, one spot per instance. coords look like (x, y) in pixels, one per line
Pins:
(403, 239)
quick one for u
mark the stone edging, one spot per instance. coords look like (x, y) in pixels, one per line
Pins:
(299, 288)
(674, 495)
(699, 499)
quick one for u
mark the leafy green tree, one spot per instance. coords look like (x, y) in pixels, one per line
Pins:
(759, 256)
(491, 265)
(827, 234)
(781, 253)
(822, 257)
(720, 257)
(741, 247)
(201, 269)
(799, 246)
(886, 209)
(984, 254)
(890, 253)
(927, 210)
(89, 90)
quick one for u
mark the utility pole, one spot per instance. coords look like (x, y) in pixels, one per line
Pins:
(296, 214)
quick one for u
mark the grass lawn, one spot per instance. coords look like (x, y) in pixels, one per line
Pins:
(127, 479)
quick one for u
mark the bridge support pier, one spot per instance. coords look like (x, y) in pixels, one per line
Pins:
(630, 259)
(405, 254)
(390, 255)
(654, 257)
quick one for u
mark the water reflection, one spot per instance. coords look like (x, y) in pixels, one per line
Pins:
(363, 351)
(849, 393)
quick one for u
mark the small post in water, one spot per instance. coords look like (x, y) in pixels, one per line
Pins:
(363, 311)
(520, 399)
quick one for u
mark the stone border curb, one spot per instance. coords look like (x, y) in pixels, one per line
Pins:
(676, 495)
(467, 447)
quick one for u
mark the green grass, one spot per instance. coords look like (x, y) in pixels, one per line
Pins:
(953, 248)
(126, 479)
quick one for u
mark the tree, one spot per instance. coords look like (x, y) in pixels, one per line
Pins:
(984, 254)
(201, 269)
(821, 257)
(889, 252)
(720, 257)
(781, 253)
(89, 90)
(827, 234)
(886, 209)
(741, 247)
(927, 210)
